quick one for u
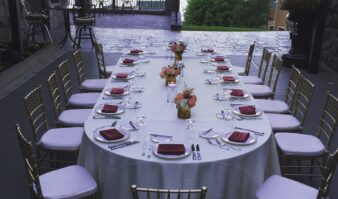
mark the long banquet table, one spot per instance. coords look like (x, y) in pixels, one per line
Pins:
(227, 173)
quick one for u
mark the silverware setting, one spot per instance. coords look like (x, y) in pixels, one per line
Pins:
(193, 152)
(260, 133)
(207, 131)
(199, 157)
(162, 136)
(123, 144)
(227, 145)
(133, 125)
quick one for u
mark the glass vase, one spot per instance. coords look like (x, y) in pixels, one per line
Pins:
(183, 112)
(170, 79)
(178, 57)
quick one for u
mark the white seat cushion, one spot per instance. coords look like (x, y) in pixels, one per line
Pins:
(87, 100)
(289, 144)
(283, 122)
(69, 182)
(251, 80)
(277, 187)
(272, 106)
(74, 117)
(94, 84)
(259, 90)
(63, 139)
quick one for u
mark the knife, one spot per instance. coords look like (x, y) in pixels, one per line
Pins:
(260, 133)
(207, 131)
(199, 157)
(132, 125)
(193, 152)
(124, 144)
(106, 117)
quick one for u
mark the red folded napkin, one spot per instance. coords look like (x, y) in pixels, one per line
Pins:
(128, 61)
(248, 110)
(171, 149)
(219, 58)
(121, 75)
(111, 134)
(117, 91)
(239, 136)
(107, 108)
(237, 92)
(136, 51)
(229, 78)
(223, 67)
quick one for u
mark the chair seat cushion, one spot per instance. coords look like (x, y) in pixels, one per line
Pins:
(289, 144)
(87, 100)
(259, 90)
(94, 84)
(85, 21)
(277, 187)
(272, 106)
(251, 80)
(69, 182)
(63, 139)
(283, 122)
(74, 117)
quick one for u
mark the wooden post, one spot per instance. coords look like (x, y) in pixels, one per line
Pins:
(14, 13)
(317, 37)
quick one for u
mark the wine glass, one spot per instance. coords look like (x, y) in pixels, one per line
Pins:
(190, 132)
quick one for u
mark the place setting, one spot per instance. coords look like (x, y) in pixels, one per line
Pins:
(117, 92)
(228, 79)
(124, 76)
(128, 62)
(246, 112)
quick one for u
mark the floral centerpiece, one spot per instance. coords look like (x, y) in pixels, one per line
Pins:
(169, 73)
(178, 49)
(184, 102)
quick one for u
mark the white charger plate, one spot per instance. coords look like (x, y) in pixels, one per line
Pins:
(100, 138)
(128, 64)
(252, 139)
(130, 76)
(187, 152)
(120, 109)
(237, 112)
(246, 94)
(236, 81)
(107, 92)
(159, 138)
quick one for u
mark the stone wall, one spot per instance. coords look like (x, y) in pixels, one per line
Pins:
(5, 27)
(329, 54)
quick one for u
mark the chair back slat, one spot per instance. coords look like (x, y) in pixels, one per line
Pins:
(249, 59)
(55, 94)
(158, 193)
(30, 162)
(293, 86)
(275, 70)
(303, 99)
(65, 79)
(327, 175)
(36, 112)
(79, 66)
(329, 120)
(264, 65)
(100, 61)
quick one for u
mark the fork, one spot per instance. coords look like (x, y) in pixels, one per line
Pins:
(223, 144)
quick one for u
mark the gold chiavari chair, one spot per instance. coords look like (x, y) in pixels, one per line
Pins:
(104, 71)
(82, 100)
(279, 106)
(312, 147)
(294, 122)
(68, 182)
(277, 187)
(71, 117)
(168, 193)
(88, 85)
(51, 140)
(259, 79)
(245, 71)
(268, 90)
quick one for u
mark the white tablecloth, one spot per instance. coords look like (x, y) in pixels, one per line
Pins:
(226, 173)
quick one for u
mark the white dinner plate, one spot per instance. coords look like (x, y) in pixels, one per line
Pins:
(128, 64)
(159, 138)
(139, 53)
(208, 134)
(236, 81)
(223, 71)
(252, 139)
(130, 76)
(100, 138)
(120, 109)
(187, 152)
(126, 92)
(225, 60)
(237, 112)
(246, 94)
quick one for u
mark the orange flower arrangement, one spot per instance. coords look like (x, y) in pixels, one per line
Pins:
(169, 71)
(186, 98)
(179, 47)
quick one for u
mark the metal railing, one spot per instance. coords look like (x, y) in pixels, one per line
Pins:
(144, 5)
